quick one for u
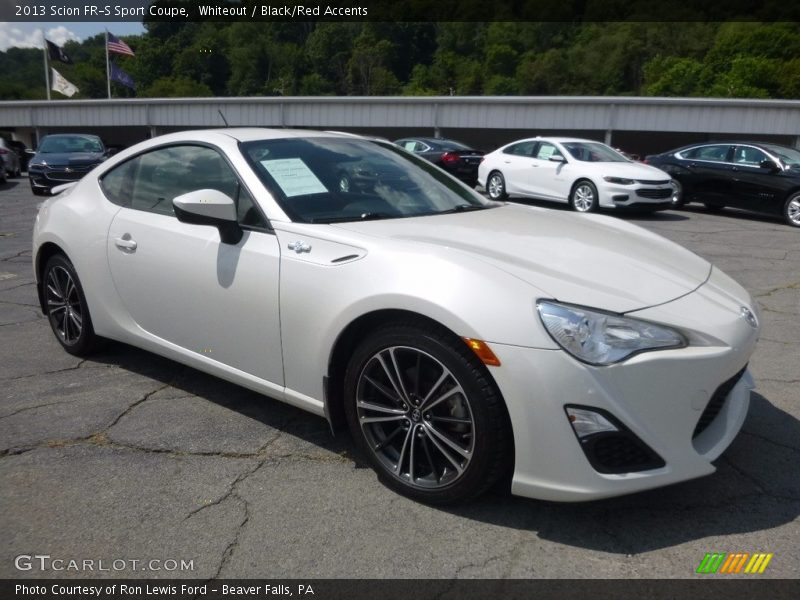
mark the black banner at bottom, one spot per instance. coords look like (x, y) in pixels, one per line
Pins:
(708, 588)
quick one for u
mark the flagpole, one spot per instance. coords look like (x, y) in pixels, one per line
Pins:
(46, 66)
(108, 69)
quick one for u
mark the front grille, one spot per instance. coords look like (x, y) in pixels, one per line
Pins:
(716, 403)
(653, 181)
(655, 194)
(66, 176)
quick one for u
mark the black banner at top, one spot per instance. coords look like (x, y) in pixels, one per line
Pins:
(396, 10)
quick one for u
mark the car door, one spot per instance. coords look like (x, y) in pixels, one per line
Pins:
(516, 163)
(546, 177)
(710, 171)
(756, 187)
(178, 281)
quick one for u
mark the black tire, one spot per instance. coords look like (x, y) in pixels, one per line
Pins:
(67, 309)
(583, 197)
(496, 186)
(677, 195)
(714, 207)
(791, 210)
(405, 449)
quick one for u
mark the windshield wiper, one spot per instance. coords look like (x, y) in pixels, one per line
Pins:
(367, 216)
(463, 208)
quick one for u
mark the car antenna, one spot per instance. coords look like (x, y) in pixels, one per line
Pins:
(224, 120)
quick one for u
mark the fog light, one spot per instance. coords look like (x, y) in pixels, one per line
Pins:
(586, 422)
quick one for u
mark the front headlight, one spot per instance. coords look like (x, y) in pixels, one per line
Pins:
(619, 180)
(601, 338)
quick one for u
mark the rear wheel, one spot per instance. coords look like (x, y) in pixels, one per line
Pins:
(496, 186)
(791, 210)
(66, 307)
(584, 197)
(422, 409)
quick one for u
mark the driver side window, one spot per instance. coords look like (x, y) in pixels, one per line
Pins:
(151, 181)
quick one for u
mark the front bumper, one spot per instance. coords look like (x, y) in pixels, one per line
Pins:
(639, 194)
(658, 396)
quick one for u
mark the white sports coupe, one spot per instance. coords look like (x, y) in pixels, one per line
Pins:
(458, 338)
(586, 174)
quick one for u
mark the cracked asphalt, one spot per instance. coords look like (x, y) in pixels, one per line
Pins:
(131, 456)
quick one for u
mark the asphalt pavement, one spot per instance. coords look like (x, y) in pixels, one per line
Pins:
(128, 456)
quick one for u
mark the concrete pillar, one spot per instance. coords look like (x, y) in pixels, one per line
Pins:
(153, 131)
(607, 139)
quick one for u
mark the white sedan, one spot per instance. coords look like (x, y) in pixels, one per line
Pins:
(586, 174)
(458, 338)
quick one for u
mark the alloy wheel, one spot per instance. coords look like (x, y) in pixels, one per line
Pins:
(415, 417)
(496, 186)
(583, 198)
(64, 305)
(793, 211)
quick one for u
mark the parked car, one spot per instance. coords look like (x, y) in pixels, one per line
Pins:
(586, 174)
(454, 157)
(62, 158)
(2, 169)
(22, 153)
(611, 361)
(756, 176)
(10, 159)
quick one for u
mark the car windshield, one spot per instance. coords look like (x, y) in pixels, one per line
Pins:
(593, 152)
(70, 143)
(327, 180)
(789, 156)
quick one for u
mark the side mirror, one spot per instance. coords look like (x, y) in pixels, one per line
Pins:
(557, 158)
(29, 151)
(769, 165)
(210, 207)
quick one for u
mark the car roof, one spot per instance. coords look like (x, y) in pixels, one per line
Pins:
(249, 134)
(557, 139)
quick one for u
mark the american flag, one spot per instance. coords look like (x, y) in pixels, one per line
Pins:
(117, 45)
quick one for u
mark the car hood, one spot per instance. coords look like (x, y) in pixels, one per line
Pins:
(582, 259)
(63, 159)
(632, 171)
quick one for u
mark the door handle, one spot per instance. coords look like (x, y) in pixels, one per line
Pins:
(508, 162)
(299, 247)
(125, 243)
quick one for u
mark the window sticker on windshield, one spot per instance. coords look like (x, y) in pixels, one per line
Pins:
(294, 177)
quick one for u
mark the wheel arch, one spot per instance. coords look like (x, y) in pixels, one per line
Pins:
(352, 335)
(45, 252)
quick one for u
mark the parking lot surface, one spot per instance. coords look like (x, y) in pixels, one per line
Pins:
(129, 456)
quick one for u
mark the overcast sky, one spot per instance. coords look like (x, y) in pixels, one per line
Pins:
(27, 35)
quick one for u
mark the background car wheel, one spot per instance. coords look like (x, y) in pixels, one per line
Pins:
(584, 197)
(677, 195)
(66, 305)
(496, 186)
(423, 410)
(791, 210)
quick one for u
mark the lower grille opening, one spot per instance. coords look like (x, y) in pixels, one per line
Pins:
(716, 403)
(620, 452)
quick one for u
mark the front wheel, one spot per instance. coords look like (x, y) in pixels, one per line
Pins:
(422, 409)
(677, 200)
(66, 306)
(584, 197)
(791, 210)
(496, 186)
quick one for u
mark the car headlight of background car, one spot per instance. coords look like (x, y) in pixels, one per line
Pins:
(619, 180)
(601, 338)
